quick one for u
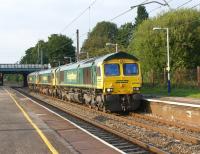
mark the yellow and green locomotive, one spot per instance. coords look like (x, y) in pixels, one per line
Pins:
(111, 82)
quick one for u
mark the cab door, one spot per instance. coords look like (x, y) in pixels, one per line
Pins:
(94, 76)
(53, 81)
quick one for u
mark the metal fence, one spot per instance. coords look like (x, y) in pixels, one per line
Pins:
(179, 78)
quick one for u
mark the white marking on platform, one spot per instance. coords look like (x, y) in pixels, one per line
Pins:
(40, 114)
(23, 99)
(174, 103)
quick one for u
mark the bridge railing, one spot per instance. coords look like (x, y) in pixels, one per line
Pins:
(26, 66)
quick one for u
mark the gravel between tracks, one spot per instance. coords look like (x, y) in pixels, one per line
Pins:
(165, 126)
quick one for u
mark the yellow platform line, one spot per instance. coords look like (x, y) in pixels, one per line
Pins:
(44, 138)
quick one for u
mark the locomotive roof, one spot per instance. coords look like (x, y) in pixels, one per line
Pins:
(72, 65)
(33, 73)
(118, 55)
(101, 59)
(96, 60)
(45, 71)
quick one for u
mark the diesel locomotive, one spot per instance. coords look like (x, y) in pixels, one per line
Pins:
(110, 83)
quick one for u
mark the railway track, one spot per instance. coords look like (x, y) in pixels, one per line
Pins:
(159, 120)
(179, 133)
(123, 144)
(131, 128)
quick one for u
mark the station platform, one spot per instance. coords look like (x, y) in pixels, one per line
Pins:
(177, 109)
(26, 127)
(183, 101)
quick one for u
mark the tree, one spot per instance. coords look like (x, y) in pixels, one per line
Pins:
(53, 51)
(102, 33)
(126, 31)
(60, 46)
(30, 56)
(141, 15)
(124, 35)
(184, 30)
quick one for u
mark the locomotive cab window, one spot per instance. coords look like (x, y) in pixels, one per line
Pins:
(112, 69)
(130, 69)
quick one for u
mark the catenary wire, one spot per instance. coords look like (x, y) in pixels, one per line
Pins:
(195, 5)
(77, 17)
(184, 4)
(159, 7)
(121, 14)
(129, 10)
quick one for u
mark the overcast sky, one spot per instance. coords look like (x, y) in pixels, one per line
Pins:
(24, 22)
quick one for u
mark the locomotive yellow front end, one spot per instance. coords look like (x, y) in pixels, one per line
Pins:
(122, 82)
(122, 77)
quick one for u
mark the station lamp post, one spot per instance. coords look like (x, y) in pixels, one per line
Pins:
(112, 44)
(168, 61)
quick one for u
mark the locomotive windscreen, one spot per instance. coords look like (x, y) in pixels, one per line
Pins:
(112, 69)
(130, 69)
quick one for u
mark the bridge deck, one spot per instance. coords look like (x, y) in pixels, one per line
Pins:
(21, 67)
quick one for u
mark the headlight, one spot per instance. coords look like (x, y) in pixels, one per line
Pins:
(136, 88)
(109, 89)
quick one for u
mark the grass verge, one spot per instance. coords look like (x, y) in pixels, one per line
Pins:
(178, 92)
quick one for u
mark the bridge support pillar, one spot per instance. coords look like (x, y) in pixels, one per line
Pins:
(25, 80)
(1, 79)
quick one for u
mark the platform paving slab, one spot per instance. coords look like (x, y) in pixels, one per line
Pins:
(64, 136)
(16, 134)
